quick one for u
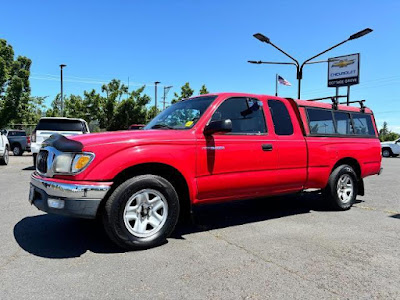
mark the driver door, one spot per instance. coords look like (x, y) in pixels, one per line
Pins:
(241, 163)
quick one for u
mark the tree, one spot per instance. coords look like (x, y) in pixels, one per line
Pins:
(114, 90)
(204, 90)
(384, 130)
(152, 113)
(55, 107)
(387, 135)
(36, 109)
(74, 107)
(93, 103)
(14, 85)
(186, 92)
(131, 110)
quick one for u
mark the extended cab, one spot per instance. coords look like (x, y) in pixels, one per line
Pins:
(211, 148)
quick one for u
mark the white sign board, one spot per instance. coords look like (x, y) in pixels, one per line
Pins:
(344, 70)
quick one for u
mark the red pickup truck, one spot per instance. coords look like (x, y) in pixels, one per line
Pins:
(211, 148)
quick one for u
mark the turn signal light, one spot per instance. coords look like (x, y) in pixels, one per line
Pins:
(80, 162)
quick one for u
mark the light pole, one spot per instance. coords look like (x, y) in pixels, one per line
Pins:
(62, 92)
(299, 68)
(155, 95)
(166, 90)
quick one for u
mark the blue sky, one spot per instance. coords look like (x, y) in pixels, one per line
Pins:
(205, 42)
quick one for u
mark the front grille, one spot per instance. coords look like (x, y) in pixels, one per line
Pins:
(41, 162)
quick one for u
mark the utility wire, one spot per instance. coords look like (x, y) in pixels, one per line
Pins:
(70, 78)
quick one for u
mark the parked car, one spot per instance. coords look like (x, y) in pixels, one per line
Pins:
(136, 126)
(391, 148)
(211, 148)
(48, 126)
(4, 148)
(19, 141)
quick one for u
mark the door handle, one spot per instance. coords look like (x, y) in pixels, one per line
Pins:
(266, 147)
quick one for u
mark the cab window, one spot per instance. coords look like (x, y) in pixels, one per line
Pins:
(246, 115)
(281, 118)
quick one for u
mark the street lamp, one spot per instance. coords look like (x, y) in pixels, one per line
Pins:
(155, 95)
(299, 68)
(62, 92)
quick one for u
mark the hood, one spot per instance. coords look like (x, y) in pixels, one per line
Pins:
(388, 143)
(132, 136)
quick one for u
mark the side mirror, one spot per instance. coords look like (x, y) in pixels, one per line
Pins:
(218, 126)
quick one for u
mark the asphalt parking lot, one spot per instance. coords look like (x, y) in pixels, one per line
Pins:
(277, 248)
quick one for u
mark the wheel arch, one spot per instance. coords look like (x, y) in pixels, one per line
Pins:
(174, 176)
(16, 144)
(351, 162)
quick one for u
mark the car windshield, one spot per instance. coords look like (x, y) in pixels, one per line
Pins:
(181, 115)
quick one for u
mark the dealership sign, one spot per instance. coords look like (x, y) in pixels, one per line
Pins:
(344, 70)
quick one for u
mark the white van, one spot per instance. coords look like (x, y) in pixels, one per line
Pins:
(48, 126)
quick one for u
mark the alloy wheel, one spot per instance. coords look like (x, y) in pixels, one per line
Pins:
(345, 188)
(145, 213)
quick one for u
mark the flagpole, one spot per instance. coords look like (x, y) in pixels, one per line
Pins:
(276, 85)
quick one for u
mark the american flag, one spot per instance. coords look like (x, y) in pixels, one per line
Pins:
(283, 81)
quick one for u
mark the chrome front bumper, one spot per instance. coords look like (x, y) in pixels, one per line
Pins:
(77, 199)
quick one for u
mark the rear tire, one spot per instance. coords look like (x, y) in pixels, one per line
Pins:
(17, 150)
(141, 213)
(342, 188)
(5, 158)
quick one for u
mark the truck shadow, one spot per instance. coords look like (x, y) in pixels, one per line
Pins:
(54, 236)
(58, 237)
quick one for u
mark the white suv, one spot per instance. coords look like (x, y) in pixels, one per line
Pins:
(48, 126)
(391, 148)
(4, 148)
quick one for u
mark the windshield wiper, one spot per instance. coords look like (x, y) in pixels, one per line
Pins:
(161, 126)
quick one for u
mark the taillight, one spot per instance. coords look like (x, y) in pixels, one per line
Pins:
(28, 140)
(33, 137)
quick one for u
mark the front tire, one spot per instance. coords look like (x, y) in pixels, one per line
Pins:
(342, 188)
(141, 213)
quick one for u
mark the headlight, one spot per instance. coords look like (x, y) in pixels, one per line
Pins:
(63, 163)
(71, 163)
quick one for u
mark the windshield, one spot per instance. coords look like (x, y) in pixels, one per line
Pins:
(181, 115)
